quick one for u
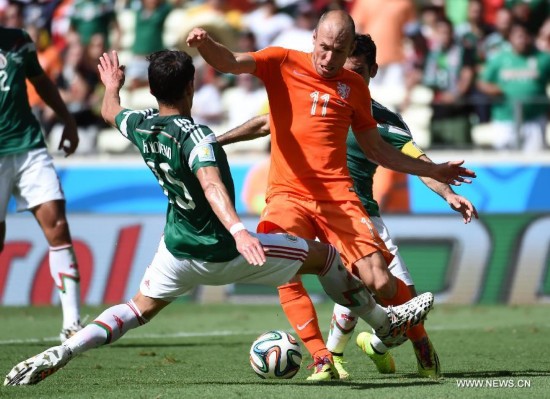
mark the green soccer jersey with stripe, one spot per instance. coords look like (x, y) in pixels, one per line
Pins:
(393, 130)
(175, 148)
(19, 129)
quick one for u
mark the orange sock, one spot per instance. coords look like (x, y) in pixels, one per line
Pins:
(402, 295)
(301, 314)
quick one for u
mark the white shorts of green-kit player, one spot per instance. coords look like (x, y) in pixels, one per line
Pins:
(397, 266)
(30, 177)
(168, 277)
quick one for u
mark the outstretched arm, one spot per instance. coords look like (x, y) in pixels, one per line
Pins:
(456, 202)
(218, 198)
(377, 150)
(49, 93)
(250, 130)
(219, 56)
(112, 76)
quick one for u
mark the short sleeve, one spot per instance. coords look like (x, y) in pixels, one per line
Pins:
(202, 150)
(128, 120)
(362, 119)
(268, 61)
(32, 66)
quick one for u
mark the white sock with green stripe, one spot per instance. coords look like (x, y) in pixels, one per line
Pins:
(64, 271)
(341, 328)
(108, 327)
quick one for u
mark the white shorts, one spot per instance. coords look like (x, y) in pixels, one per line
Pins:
(397, 266)
(530, 138)
(31, 178)
(168, 278)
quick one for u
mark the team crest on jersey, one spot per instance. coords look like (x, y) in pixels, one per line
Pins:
(3, 61)
(343, 90)
(206, 153)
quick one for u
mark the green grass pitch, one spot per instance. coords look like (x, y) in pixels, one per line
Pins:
(201, 351)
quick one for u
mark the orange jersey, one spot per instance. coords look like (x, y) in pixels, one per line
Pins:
(310, 118)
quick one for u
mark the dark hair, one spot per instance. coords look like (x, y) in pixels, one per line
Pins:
(365, 46)
(516, 24)
(169, 74)
(446, 21)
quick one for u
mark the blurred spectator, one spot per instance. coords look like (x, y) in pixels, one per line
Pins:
(449, 72)
(266, 22)
(149, 27)
(245, 100)
(531, 13)
(77, 85)
(429, 15)
(51, 62)
(220, 8)
(13, 16)
(490, 9)
(300, 35)
(474, 30)
(61, 24)
(222, 22)
(89, 17)
(385, 21)
(247, 42)
(472, 34)
(518, 77)
(207, 102)
(543, 37)
(457, 11)
(498, 40)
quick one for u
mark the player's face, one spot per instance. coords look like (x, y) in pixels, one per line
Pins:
(358, 65)
(520, 40)
(330, 50)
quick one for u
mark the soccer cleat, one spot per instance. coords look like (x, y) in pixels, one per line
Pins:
(339, 364)
(405, 316)
(384, 362)
(68, 332)
(427, 359)
(324, 370)
(39, 367)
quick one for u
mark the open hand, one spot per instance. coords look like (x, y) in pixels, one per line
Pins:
(453, 173)
(110, 71)
(250, 247)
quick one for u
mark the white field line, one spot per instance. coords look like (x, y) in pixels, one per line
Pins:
(227, 333)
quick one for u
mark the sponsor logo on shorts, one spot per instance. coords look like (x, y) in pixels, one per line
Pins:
(290, 237)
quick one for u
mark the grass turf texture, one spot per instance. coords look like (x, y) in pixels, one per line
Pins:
(201, 351)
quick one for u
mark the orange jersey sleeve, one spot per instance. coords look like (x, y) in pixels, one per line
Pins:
(310, 118)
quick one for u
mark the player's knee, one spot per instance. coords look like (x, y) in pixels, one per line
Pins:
(58, 232)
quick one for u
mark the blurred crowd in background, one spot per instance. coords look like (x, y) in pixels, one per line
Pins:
(465, 74)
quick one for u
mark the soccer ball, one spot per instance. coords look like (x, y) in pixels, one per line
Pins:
(275, 354)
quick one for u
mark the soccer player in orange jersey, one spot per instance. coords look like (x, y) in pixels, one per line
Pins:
(313, 102)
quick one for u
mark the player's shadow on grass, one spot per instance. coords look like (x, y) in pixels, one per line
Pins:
(348, 384)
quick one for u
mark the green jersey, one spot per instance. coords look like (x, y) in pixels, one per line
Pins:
(19, 129)
(89, 17)
(148, 37)
(520, 77)
(175, 148)
(393, 130)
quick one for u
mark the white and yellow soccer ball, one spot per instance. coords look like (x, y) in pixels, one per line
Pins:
(275, 355)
